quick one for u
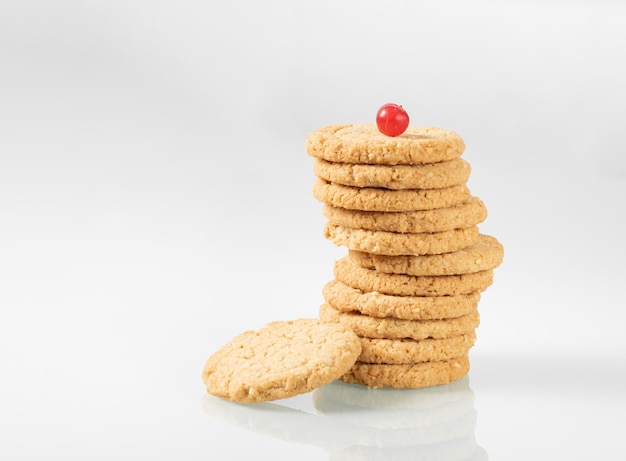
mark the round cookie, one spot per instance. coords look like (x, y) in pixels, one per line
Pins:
(280, 360)
(487, 253)
(363, 143)
(410, 351)
(379, 199)
(396, 177)
(356, 276)
(407, 376)
(344, 298)
(395, 243)
(461, 216)
(391, 328)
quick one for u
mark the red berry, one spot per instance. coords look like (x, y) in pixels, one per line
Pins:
(392, 119)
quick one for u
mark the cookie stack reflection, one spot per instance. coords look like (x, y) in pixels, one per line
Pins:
(437, 423)
(416, 266)
(363, 424)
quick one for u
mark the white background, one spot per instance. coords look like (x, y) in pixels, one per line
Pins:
(155, 202)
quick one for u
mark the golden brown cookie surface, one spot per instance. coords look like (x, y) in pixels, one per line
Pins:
(410, 376)
(280, 360)
(397, 243)
(410, 351)
(379, 199)
(485, 254)
(353, 275)
(366, 326)
(365, 144)
(461, 216)
(372, 303)
(395, 177)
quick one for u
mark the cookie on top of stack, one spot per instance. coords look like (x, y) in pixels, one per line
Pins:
(417, 264)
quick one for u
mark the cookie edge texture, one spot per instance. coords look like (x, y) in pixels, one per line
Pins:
(282, 384)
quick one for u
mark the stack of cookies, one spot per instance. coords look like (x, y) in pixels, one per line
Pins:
(416, 265)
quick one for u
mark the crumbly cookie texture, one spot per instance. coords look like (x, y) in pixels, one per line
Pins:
(395, 177)
(396, 243)
(467, 214)
(485, 254)
(379, 199)
(365, 144)
(411, 376)
(410, 351)
(417, 264)
(364, 279)
(392, 328)
(280, 360)
(344, 298)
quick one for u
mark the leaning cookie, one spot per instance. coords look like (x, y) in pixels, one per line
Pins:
(379, 199)
(364, 143)
(366, 326)
(396, 177)
(396, 243)
(487, 253)
(280, 360)
(461, 216)
(356, 276)
(409, 376)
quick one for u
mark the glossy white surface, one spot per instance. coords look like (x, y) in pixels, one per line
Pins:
(155, 201)
(519, 408)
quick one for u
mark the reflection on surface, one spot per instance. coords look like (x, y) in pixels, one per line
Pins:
(357, 423)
